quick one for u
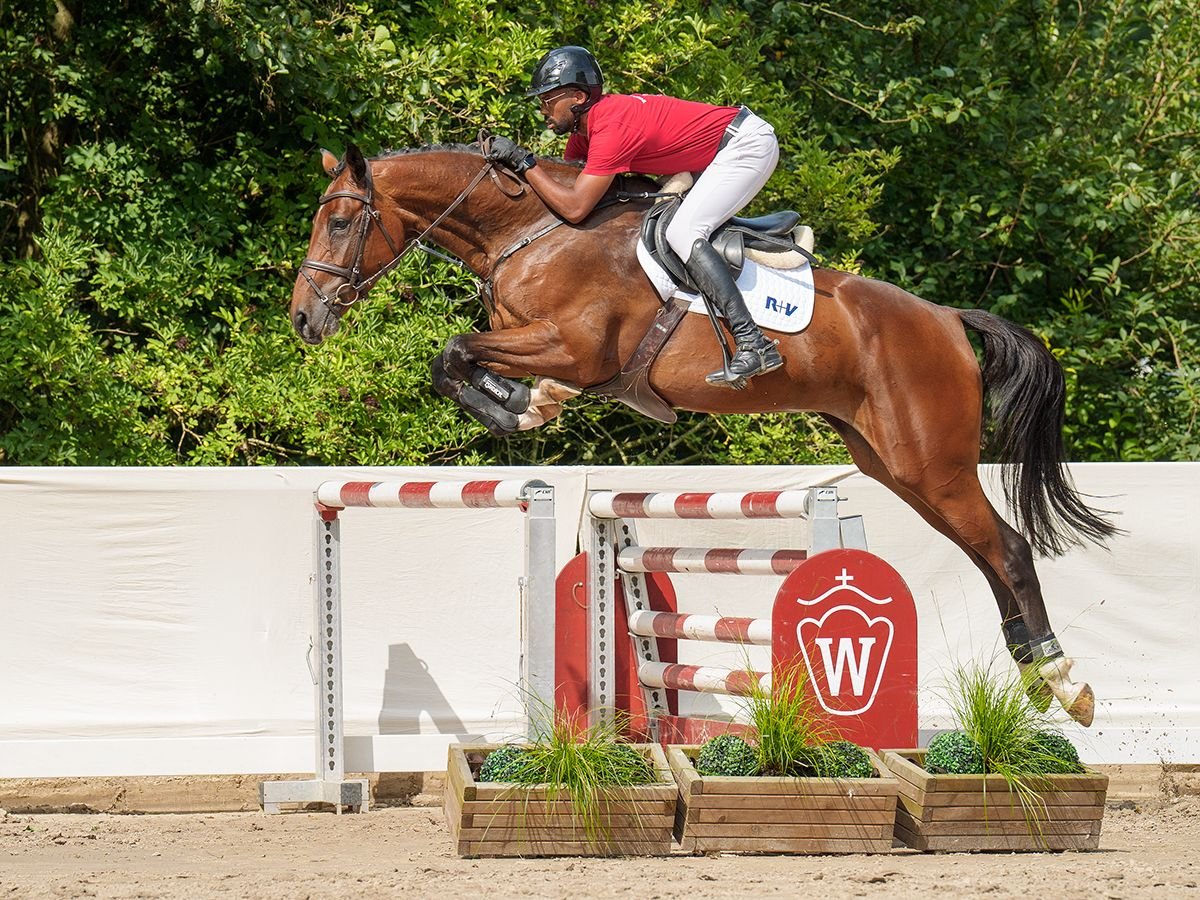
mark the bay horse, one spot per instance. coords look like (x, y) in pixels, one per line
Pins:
(896, 376)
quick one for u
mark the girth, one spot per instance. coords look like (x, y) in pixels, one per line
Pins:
(632, 386)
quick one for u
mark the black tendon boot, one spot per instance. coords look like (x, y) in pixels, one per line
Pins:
(1016, 635)
(756, 353)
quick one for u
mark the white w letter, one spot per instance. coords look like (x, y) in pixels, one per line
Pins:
(845, 657)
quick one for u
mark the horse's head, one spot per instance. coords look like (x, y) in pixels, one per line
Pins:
(348, 250)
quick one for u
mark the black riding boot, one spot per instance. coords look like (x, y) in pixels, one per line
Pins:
(756, 353)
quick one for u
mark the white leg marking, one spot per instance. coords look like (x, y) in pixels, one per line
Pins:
(545, 402)
(1076, 697)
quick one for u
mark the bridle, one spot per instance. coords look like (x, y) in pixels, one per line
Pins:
(354, 287)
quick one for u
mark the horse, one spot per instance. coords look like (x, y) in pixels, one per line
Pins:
(896, 376)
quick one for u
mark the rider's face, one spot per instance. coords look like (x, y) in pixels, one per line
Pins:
(556, 107)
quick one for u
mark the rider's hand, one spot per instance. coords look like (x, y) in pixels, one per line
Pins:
(508, 153)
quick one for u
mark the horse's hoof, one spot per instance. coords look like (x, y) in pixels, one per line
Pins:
(443, 383)
(1075, 697)
(1083, 709)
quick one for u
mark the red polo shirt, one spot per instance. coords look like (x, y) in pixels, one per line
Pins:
(650, 134)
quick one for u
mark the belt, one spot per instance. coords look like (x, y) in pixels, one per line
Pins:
(731, 131)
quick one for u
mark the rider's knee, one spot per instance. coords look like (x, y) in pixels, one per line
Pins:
(682, 235)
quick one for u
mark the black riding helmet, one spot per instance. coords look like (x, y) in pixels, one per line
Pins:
(568, 67)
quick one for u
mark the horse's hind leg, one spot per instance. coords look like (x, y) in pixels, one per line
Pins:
(946, 492)
(870, 464)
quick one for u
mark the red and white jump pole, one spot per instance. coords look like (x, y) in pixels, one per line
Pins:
(534, 498)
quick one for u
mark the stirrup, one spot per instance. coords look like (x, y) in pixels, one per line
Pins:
(725, 378)
(766, 356)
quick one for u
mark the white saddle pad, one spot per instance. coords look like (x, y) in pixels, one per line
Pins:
(779, 299)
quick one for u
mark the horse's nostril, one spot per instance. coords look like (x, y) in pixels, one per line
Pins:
(300, 320)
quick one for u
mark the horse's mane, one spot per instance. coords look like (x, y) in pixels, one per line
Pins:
(432, 148)
(472, 149)
(623, 183)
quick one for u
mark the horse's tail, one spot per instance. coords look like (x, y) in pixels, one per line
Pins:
(1025, 390)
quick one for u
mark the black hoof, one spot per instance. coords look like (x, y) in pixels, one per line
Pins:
(442, 383)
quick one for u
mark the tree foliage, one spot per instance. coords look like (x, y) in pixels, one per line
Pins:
(159, 177)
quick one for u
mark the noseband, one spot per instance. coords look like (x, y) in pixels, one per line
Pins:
(352, 289)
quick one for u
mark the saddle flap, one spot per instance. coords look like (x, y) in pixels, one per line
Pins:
(731, 246)
(654, 236)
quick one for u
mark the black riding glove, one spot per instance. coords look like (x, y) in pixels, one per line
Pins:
(508, 153)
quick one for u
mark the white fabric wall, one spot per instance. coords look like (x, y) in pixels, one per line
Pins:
(156, 621)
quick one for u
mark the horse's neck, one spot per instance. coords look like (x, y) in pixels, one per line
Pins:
(425, 184)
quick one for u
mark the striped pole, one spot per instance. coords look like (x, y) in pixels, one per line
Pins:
(714, 560)
(705, 679)
(422, 494)
(726, 505)
(700, 628)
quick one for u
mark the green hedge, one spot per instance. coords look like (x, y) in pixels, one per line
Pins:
(160, 172)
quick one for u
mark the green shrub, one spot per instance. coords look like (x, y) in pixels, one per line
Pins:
(505, 764)
(727, 754)
(1054, 754)
(842, 759)
(954, 753)
(630, 765)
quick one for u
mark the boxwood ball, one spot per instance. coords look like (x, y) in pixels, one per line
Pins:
(842, 759)
(503, 763)
(954, 753)
(727, 754)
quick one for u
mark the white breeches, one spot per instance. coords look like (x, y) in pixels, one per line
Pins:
(732, 180)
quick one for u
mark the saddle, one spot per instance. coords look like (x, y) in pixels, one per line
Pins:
(776, 240)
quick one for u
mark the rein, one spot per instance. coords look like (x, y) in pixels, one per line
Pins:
(354, 287)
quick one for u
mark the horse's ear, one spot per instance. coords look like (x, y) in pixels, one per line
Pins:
(358, 165)
(329, 162)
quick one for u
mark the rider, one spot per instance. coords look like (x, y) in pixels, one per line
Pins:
(734, 150)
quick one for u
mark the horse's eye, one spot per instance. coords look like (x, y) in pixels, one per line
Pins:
(339, 224)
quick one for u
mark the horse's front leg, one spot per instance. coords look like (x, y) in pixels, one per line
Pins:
(498, 420)
(502, 405)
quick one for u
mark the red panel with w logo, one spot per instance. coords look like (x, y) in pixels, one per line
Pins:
(847, 618)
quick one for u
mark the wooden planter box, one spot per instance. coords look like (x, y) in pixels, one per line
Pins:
(977, 812)
(506, 819)
(782, 815)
